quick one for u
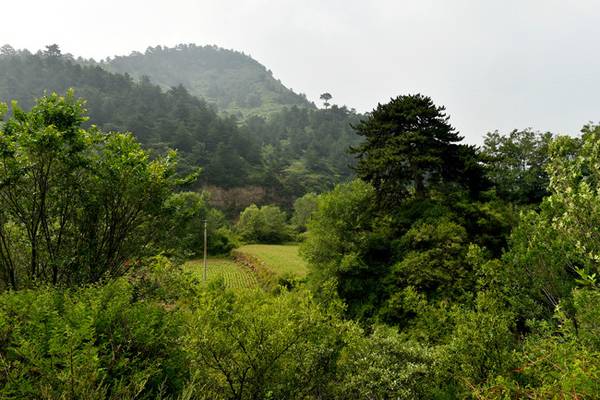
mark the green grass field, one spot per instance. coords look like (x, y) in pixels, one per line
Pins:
(234, 275)
(281, 259)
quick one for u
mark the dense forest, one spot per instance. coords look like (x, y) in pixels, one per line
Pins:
(435, 269)
(269, 159)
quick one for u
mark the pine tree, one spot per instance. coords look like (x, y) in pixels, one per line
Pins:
(407, 143)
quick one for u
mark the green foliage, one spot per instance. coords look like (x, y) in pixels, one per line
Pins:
(383, 365)
(251, 345)
(383, 263)
(76, 203)
(267, 224)
(552, 247)
(346, 241)
(557, 360)
(552, 252)
(409, 148)
(159, 279)
(515, 164)
(304, 207)
(304, 150)
(93, 343)
(480, 347)
(433, 271)
(434, 259)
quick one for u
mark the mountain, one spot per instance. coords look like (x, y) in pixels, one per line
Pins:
(159, 119)
(274, 159)
(233, 81)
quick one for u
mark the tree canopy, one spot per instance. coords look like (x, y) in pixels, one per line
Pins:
(409, 146)
(516, 163)
(77, 204)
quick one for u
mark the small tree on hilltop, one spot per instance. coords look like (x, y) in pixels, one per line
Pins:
(326, 97)
(52, 50)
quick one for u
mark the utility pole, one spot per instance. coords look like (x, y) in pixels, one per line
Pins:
(205, 224)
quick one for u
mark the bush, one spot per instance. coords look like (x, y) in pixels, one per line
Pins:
(558, 359)
(253, 345)
(157, 334)
(304, 208)
(93, 343)
(481, 346)
(382, 366)
(267, 224)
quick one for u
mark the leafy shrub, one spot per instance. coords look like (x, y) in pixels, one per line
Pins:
(267, 224)
(480, 347)
(304, 207)
(94, 343)
(559, 359)
(382, 365)
(251, 344)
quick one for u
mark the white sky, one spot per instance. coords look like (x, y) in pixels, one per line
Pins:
(500, 64)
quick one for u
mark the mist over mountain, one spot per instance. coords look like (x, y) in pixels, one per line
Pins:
(231, 80)
(296, 149)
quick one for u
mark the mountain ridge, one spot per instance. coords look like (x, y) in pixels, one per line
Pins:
(233, 81)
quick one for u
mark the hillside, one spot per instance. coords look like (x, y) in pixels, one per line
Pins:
(295, 151)
(160, 120)
(231, 80)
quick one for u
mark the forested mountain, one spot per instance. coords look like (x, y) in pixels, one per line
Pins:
(294, 151)
(233, 81)
(116, 102)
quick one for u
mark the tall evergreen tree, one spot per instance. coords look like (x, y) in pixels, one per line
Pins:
(407, 143)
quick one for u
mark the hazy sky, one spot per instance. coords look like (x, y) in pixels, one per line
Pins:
(500, 64)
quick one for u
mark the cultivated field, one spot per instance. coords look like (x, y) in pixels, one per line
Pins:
(234, 275)
(280, 259)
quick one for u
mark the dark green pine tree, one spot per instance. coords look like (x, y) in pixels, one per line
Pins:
(407, 143)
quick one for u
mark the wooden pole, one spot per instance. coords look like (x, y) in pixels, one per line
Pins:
(205, 224)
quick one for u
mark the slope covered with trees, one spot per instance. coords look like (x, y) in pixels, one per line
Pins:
(160, 120)
(296, 150)
(233, 81)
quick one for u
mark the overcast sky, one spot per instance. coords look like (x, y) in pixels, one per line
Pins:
(500, 64)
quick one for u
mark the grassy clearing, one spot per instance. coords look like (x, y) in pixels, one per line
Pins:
(234, 275)
(280, 259)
